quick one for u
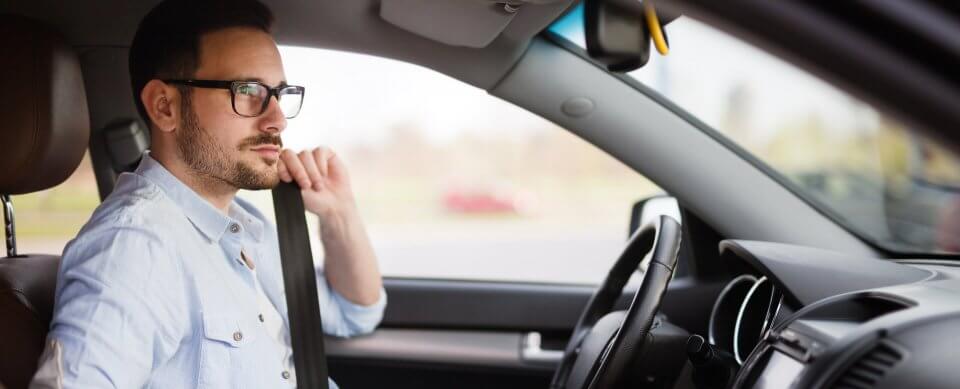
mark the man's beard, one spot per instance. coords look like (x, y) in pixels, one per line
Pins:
(211, 160)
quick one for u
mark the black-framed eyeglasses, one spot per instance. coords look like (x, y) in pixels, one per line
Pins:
(251, 98)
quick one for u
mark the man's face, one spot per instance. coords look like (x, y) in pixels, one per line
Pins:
(215, 141)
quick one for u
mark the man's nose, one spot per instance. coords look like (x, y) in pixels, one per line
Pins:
(274, 121)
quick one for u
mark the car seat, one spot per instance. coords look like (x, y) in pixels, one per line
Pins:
(45, 128)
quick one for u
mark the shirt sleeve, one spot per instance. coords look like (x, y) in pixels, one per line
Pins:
(343, 318)
(339, 316)
(119, 310)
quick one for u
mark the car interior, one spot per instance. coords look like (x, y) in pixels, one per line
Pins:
(755, 286)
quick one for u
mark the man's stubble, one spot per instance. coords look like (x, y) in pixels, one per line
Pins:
(212, 163)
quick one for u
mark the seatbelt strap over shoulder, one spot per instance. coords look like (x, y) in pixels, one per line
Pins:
(300, 282)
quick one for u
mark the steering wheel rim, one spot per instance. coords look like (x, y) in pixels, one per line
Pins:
(663, 237)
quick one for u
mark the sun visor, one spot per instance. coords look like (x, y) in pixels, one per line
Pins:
(468, 23)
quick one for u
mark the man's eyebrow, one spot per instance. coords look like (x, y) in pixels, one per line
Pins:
(260, 80)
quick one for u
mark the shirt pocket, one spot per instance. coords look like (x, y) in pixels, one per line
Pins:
(226, 338)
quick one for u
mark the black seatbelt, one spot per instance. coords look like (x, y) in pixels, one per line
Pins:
(300, 281)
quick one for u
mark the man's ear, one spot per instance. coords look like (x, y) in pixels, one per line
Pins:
(162, 103)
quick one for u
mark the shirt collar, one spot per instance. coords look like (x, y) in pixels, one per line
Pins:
(250, 222)
(207, 218)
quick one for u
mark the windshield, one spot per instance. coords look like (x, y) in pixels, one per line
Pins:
(889, 185)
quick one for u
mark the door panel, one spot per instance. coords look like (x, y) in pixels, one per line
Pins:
(364, 373)
(496, 349)
(441, 334)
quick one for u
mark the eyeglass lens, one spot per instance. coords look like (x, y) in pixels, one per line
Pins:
(249, 99)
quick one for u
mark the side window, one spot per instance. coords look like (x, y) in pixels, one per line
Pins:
(456, 184)
(47, 220)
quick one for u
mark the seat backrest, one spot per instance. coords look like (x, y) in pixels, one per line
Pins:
(45, 129)
(27, 285)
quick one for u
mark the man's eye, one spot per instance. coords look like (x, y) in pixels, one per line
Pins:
(248, 90)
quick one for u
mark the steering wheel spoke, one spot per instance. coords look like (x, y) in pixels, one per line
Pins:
(604, 342)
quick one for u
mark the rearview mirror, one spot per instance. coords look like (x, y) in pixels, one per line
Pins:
(616, 33)
(652, 207)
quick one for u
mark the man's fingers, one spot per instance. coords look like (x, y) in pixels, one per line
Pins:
(310, 165)
(282, 169)
(295, 168)
(336, 169)
(321, 155)
(310, 168)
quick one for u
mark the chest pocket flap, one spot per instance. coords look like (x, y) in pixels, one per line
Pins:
(229, 329)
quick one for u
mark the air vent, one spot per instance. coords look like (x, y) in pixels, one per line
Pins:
(870, 369)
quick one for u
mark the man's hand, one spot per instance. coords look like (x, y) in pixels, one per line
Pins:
(323, 181)
(350, 263)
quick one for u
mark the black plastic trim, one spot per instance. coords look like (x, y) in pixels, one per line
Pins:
(807, 274)
(552, 309)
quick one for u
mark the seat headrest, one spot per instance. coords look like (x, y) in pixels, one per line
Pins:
(44, 122)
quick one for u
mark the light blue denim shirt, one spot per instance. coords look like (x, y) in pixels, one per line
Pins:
(152, 293)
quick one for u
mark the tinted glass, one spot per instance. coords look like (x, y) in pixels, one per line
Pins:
(872, 174)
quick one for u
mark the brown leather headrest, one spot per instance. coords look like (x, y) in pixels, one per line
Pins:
(44, 122)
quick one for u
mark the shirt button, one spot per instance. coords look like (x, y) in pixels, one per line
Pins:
(260, 316)
(238, 336)
(234, 228)
(285, 375)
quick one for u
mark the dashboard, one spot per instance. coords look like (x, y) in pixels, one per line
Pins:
(799, 317)
(745, 309)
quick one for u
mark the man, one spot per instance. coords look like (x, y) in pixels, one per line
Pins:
(175, 282)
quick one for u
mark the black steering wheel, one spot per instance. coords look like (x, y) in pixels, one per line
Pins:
(604, 343)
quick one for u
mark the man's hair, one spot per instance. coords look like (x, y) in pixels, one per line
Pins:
(167, 42)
